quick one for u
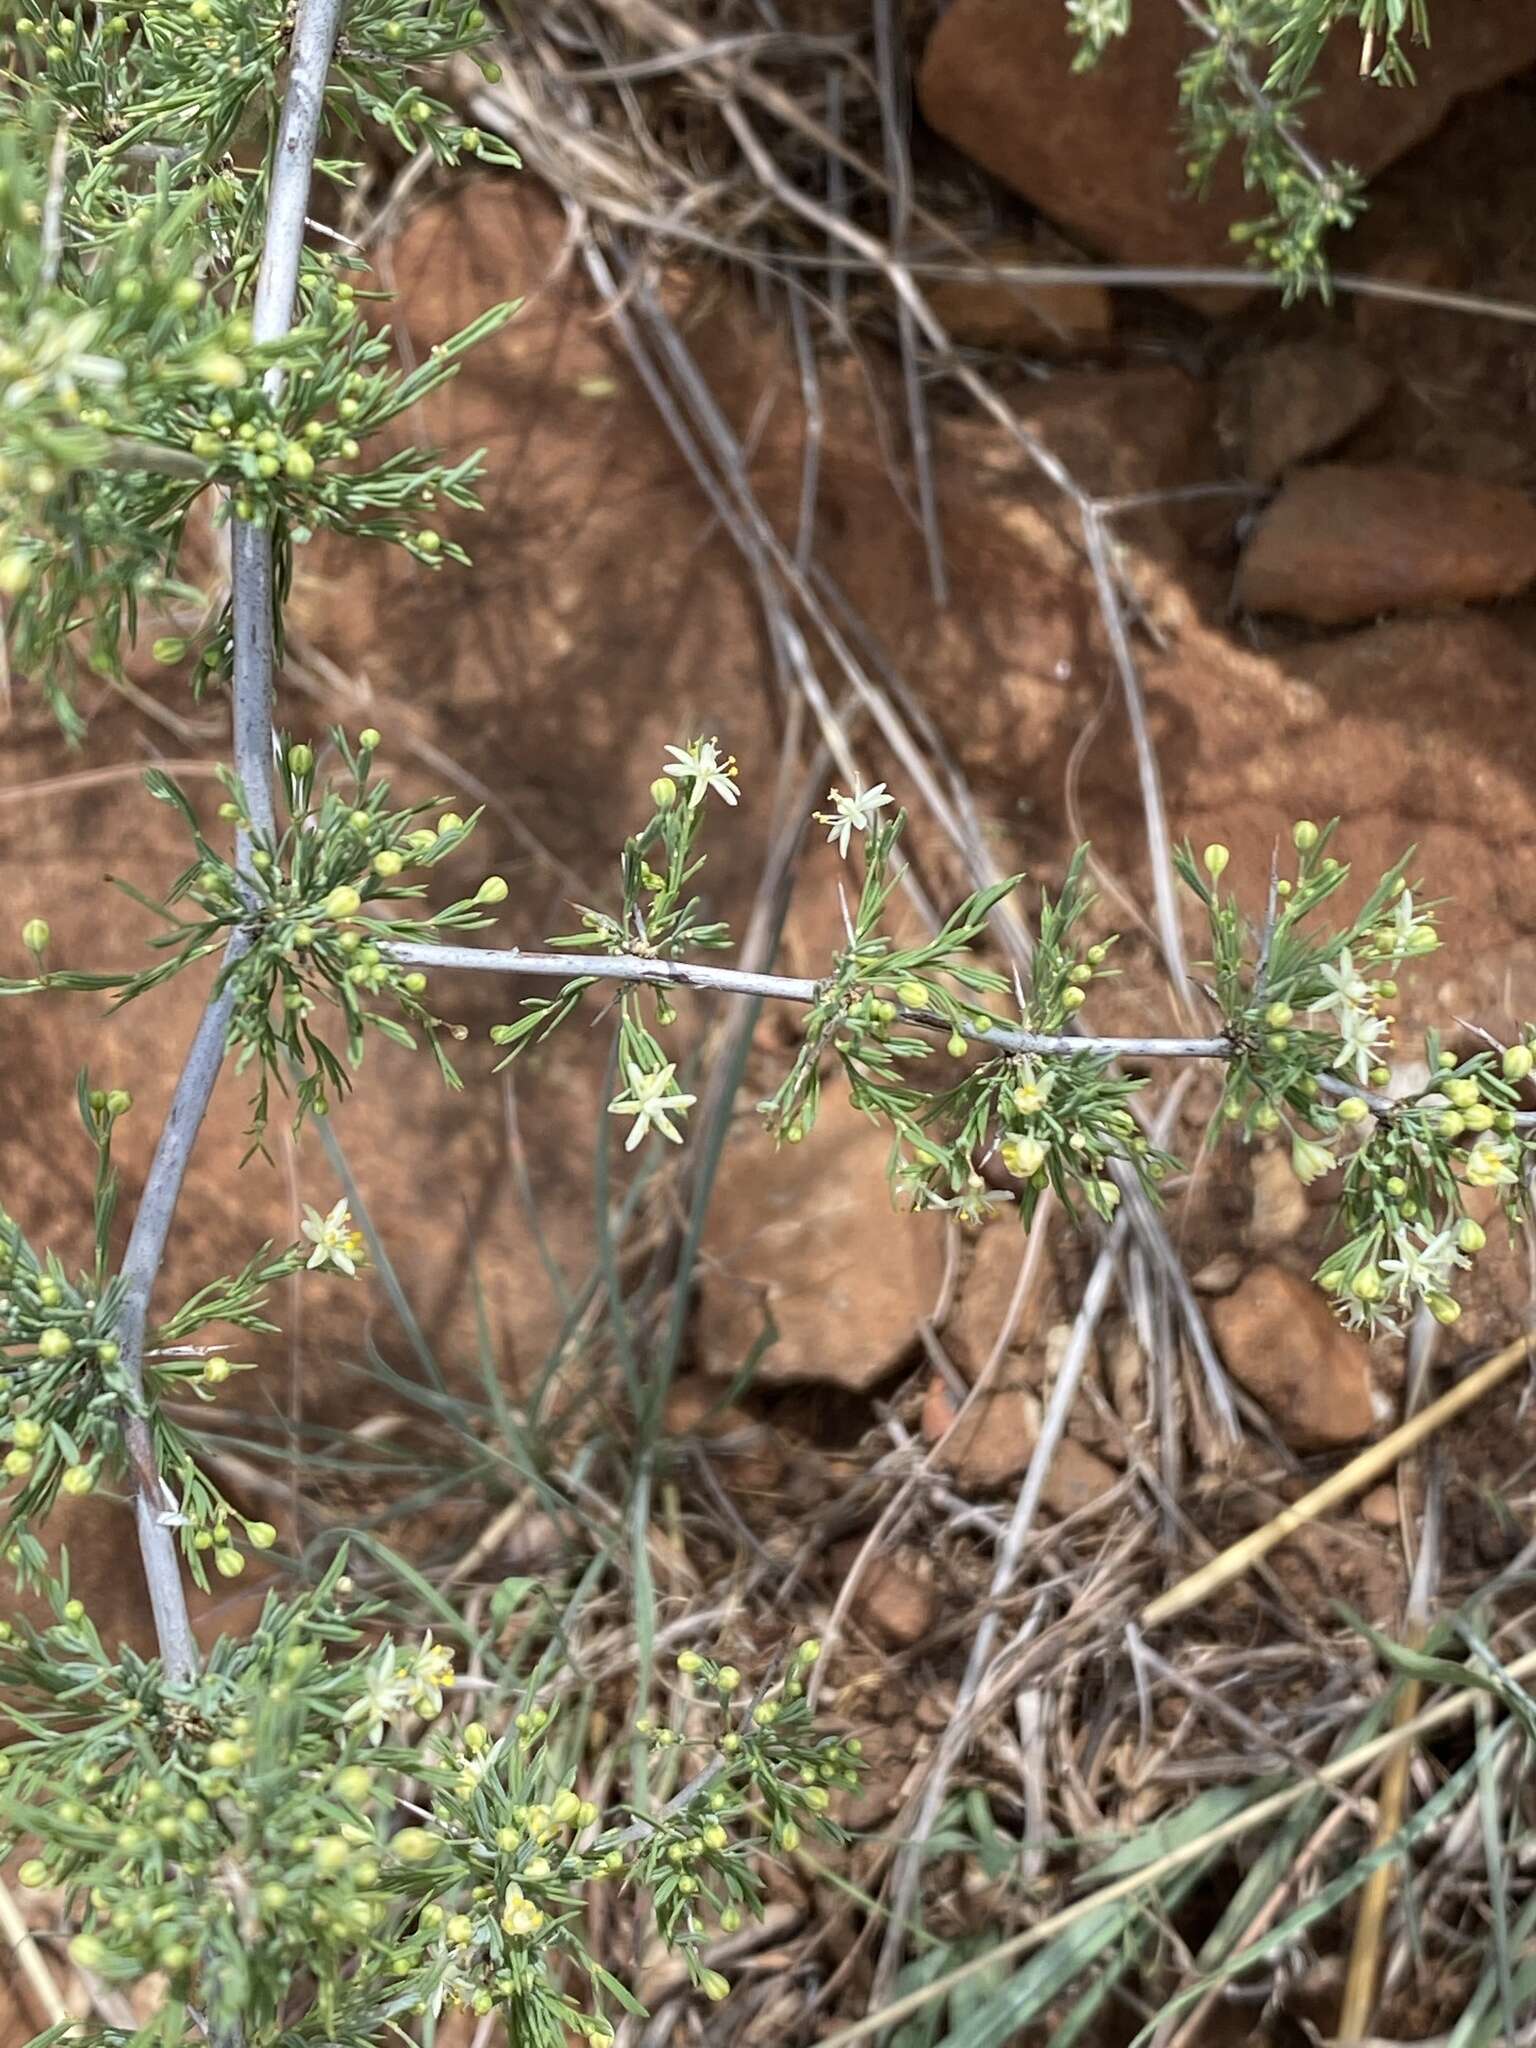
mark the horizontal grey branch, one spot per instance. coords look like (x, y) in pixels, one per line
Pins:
(781, 988)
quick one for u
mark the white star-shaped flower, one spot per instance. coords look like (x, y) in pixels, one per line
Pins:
(1424, 1265)
(336, 1242)
(702, 765)
(1487, 1165)
(651, 1099)
(429, 1674)
(1360, 1037)
(1347, 987)
(849, 814)
(975, 1204)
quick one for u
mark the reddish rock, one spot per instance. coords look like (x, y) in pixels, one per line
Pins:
(1297, 400)
(1340, 545)
(1283, 1343)
(981, 1312)
(996, 1439)
(1280, 1208)
(896, 1600)
(999, 312)
(745, 1450)
(806, 1236)
(1099, 151)
(1379, 1506)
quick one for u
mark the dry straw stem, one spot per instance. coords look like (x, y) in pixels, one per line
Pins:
(1365, 1949)
(1353, 1478)
(1335, 1771)
(43, 1993)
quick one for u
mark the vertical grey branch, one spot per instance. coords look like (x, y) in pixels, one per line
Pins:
(276, 286)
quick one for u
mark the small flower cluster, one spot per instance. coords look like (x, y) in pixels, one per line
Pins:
(129, 223)
(249, 1830)
(1244, 85)
(1308, 1015)
(314, 910)
(64, 1395)
(659, 920)
(1058, 1121)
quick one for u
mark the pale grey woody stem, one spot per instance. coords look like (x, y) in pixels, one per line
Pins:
(784, 988)
(277, 282)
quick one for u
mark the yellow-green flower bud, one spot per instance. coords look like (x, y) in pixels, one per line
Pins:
(216, 366)
(370, 739)
(1518, 1061)
(168, 649)
(119, 1102)
(688, 1662)
(224, 1755)
(913, 994)
(15, 573)
(714, 1986)
(260, 1535)
(229, 1564)
(387, 863)
(1304, 835)
(715, 1837)
(301, 759)
(1451, 1125)
(1470, 1235)
(1463, 1091)
(765, 1713)
(54, 1344)
(492, 890)
(1266, 1117)
(460, 1929)
(35, 935)
(88, 1952)
(730, 1920)
(343, 901)
(727, 1678)
(216, 1370)
(1072, 999)
(428, 541)
(663, 792)
(1216, 857)
(78, 1481)
(414, 1845)
(353, 1784)
(809, 1651)
(1278, 1015)
(954, 1045)
(27, 1433)
(789, 1837)
(1478, 1116)
(1023, 1157)
(1367, 1285)
(1445, 1308)
(299, 464)
(1352, 1110)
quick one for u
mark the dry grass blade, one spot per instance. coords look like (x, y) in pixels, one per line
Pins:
(1353, 1763)
(42, 1993)
(1353, 1478)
